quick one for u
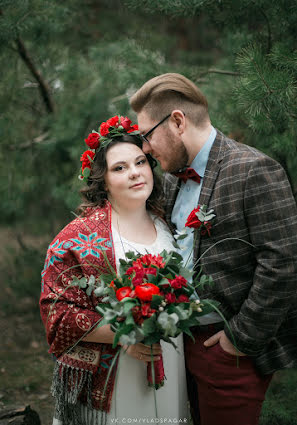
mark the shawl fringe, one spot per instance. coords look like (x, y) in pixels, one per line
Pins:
(67, 385)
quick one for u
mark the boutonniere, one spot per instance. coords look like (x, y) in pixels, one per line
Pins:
(200, 219)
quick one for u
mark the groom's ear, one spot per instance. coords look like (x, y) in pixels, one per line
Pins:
(179, 120)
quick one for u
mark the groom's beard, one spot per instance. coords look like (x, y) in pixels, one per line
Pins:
(178, 156)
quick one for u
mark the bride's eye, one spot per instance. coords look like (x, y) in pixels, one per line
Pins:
(142, 161)
(118, 168)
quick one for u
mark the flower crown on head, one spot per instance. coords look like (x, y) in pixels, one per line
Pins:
(114, 127)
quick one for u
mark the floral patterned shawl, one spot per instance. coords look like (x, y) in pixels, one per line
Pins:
(68, 313)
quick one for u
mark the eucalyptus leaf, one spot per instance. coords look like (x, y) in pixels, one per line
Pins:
(209, 217)
(129, 339)
(99, 291)
(124, 330)
(148, 326)
(200, 216)
(129, 303)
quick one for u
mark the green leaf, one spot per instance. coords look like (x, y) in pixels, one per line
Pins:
(129, 303)
(156, 301)
(86, 172)
(149, 325)
(123, 329)
(181, 237)
(182, 311)
(130, 319)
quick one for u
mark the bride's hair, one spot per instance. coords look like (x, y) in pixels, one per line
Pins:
(95, 195)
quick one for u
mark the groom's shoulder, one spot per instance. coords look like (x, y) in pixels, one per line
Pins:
(233, 152)
(169, 182)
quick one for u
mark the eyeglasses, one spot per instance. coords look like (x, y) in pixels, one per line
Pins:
(144, 136)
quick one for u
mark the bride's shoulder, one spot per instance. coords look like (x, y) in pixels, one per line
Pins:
(160, 224)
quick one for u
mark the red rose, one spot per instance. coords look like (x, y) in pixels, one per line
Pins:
(140, 273)
(113, 121)
(146, 291)
(137, 315)
(133, 128)
(123, 292)
(150, 260)
(170, 298)
(178, 282)
(126, 123)
(84, 156)
(192, 220)
(93, 140)
(183, 299)
(104, 129)
(86, 159)
(146, 310)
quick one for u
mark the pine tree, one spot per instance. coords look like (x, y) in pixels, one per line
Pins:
(258, 41)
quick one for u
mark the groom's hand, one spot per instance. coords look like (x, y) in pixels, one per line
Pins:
(225, 343)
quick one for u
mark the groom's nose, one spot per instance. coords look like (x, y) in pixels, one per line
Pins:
(146, 147)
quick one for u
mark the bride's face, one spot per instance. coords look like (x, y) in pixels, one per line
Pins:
(129, 178)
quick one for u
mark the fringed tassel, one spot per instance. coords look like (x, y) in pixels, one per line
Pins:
(68, 383)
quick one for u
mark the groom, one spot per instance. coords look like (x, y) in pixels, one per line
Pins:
(254, 273)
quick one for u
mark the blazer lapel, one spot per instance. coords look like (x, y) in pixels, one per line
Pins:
(171, 188)
(211, 173)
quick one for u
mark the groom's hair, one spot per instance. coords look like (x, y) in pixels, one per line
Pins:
(164, 93)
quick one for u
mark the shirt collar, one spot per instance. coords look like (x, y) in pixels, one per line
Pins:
(200, 161)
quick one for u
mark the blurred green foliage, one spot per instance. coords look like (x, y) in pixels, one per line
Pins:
(67, 66)
(82, 63)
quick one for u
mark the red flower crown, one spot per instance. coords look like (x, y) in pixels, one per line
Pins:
(113, 127)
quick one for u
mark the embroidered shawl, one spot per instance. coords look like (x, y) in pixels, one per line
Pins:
(68, 313)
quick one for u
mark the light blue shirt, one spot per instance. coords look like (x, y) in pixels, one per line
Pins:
(188, 199)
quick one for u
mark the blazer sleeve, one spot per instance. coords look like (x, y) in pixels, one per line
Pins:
(271, 217)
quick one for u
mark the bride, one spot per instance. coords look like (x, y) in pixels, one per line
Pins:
(121, 212)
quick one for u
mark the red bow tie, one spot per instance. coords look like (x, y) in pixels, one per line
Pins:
(188, 173)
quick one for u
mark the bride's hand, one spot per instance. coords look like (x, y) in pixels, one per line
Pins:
(143, 352)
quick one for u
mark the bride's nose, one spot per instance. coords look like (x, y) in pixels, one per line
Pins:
(134, 172)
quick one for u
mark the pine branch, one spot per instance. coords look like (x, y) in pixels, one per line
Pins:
(43, 86)
(220, 71)
(29, 144)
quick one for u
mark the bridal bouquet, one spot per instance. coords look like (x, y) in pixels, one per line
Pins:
(149, 299)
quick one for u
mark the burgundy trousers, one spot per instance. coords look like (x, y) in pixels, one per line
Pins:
(220, 391)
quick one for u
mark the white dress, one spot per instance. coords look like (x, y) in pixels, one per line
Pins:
(132, 399)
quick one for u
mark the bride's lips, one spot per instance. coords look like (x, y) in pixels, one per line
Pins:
(136, 185)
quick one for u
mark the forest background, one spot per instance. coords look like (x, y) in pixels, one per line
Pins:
(67, 66)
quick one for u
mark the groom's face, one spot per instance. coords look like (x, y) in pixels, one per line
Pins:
(164, 144)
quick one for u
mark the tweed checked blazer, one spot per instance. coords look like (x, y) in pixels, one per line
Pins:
(256, 285)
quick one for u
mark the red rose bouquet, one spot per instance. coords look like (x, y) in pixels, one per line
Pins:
(149, 301)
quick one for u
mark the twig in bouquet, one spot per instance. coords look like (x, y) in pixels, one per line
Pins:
(217, 243)
(83, 336)
(68, 286)
(109, 373)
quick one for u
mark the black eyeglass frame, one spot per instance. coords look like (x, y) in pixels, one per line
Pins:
(144, 136)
